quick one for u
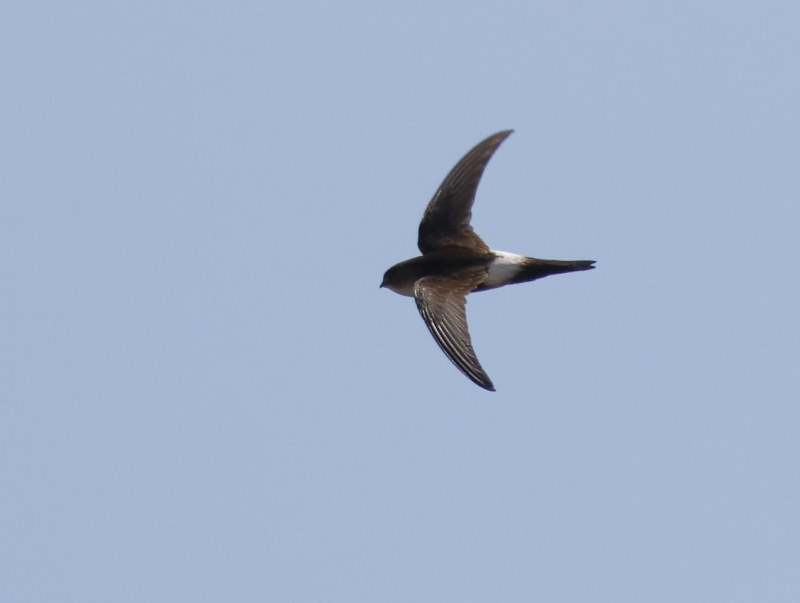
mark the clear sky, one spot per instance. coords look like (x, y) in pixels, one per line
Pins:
(206, 396)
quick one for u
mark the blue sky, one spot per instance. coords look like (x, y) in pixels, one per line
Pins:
(206, 396)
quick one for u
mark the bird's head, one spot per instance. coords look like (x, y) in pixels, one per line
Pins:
(399, 279)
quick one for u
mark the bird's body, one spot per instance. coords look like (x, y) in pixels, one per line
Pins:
(502, 268)
(455, 262)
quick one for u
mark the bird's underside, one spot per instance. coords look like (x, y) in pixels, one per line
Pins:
(455, 262)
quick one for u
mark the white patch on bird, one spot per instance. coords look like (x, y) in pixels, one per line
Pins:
(407, 290)
(503, 268)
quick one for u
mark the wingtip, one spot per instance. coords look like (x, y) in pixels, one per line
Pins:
(487, 384)
(498, 137)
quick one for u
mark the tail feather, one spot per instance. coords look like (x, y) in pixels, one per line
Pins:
(534, 268)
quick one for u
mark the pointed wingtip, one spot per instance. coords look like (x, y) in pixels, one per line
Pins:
(502, 135)
(484, 382)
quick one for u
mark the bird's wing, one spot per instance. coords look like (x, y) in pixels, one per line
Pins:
(442, 303)
(446, 219)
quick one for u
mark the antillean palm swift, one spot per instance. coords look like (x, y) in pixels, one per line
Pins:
(455, 262)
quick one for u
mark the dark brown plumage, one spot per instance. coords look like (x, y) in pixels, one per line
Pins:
(455, 262)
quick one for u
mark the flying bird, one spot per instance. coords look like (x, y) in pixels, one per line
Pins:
(456, 262)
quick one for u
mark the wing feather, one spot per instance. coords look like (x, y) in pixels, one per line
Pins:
(446, 221)
(442, 303)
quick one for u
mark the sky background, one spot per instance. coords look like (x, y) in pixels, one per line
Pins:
(206, 396)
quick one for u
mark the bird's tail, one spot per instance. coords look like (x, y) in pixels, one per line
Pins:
(534, 268)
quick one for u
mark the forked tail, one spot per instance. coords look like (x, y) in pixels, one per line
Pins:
(534, 268)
